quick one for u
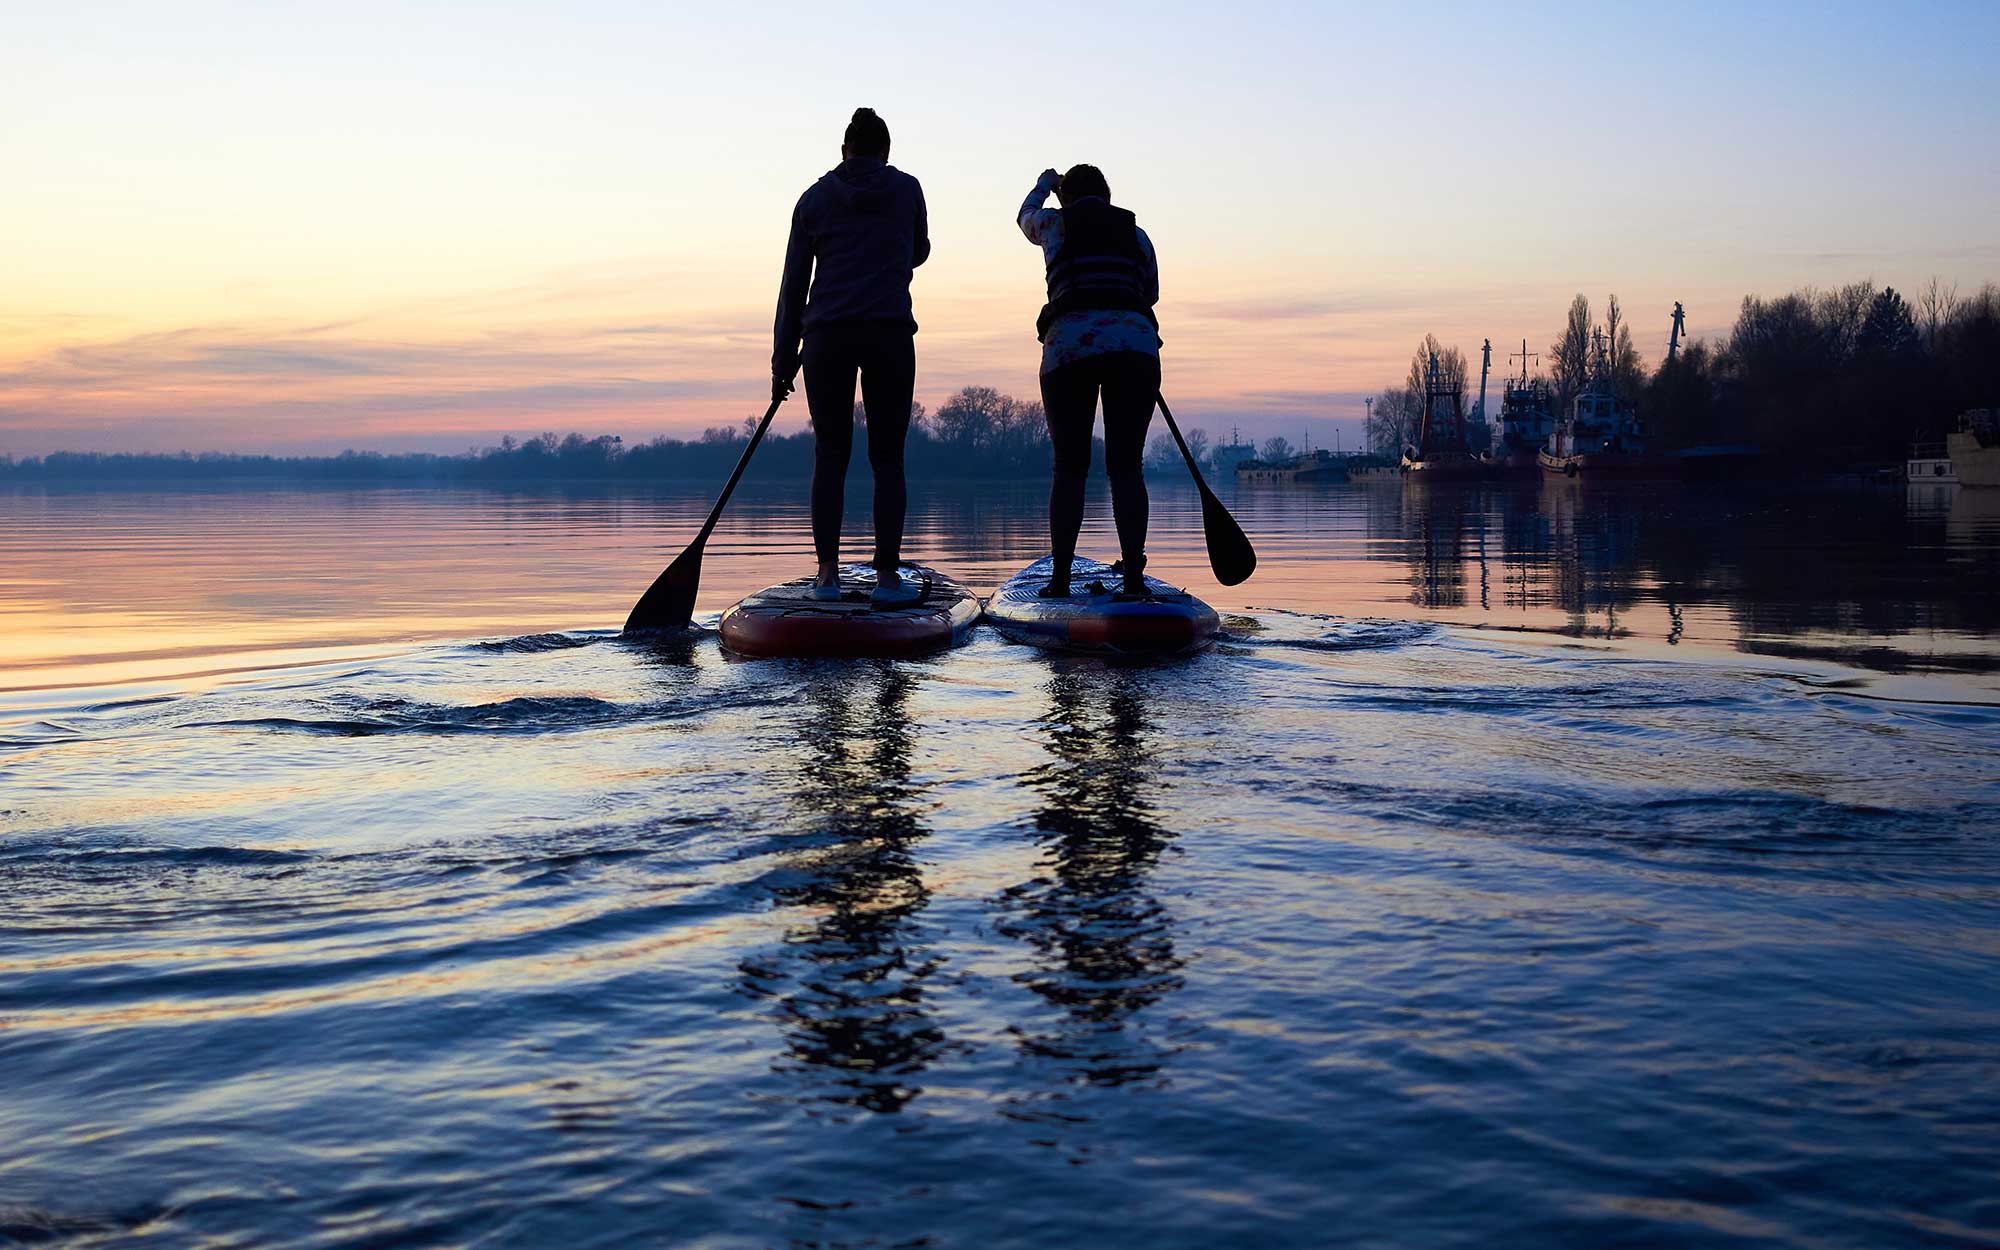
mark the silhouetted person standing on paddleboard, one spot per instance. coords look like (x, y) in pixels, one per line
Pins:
(857, 234)
(1098, 334)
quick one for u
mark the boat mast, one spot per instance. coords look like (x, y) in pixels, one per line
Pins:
(1680, 326)
(1524, 356)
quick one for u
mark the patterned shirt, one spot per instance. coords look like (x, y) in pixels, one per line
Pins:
(1090, 331)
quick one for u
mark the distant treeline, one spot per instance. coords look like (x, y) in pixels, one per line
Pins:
(977, 434)
(1851, 375)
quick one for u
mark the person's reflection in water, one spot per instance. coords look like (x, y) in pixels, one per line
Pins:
(850, 983)
(1104, 944)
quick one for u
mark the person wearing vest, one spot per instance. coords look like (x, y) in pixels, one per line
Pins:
(1099, 336)
(856, 236)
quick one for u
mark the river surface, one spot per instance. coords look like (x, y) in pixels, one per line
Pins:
(1526, 867)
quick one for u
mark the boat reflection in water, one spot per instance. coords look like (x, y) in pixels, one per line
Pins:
(849, 984)
(1892, 580)
(1103, 943)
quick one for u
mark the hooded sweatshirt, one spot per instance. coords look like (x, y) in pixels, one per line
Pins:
(857, 234)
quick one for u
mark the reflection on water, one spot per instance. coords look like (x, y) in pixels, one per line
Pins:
(1341, 931)
(1104, 944)
(1868, 576)
(100, 588)
(849, 981)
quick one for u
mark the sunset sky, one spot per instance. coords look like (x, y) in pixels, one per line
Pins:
(312, 227)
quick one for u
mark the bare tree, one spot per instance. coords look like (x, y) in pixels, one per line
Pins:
(1936, 305)
(1451, 368)
(1569, 355)
(1198, 445)
(969, 418)
(1392, 421)
(1841, 312)
(1277, 447)
(1628, 371)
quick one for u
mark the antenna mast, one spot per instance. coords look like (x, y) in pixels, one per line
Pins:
(1524, 356)
(1680, 327)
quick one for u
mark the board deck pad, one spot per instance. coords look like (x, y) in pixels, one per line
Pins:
(785, 620)
(1098, 616)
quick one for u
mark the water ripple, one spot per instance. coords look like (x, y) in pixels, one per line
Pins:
(1340, 924)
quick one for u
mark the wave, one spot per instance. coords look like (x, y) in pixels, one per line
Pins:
(531, 644)
(524, 714)
(1306, 631)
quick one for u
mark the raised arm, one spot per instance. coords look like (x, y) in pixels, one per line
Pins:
(1033, 218)
(792, 288)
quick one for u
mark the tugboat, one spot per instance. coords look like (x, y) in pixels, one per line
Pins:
(1441, 454)
(1527, 418)
(1602, 437)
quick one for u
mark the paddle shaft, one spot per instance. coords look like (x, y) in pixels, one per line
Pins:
(668, 603)
(1174, 427)
(1230, 554)
(736, 475)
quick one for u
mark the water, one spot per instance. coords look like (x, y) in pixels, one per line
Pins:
(1526, 868)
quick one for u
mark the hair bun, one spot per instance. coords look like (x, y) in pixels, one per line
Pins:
(864, 115)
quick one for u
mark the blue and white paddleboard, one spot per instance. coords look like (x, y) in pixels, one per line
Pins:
(1098, 615)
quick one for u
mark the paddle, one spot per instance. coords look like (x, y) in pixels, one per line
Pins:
(1229, 550)
(668, 603)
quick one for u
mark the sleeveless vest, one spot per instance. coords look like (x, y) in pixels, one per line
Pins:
(1099, 265)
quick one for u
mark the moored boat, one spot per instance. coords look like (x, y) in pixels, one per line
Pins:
(1602, 436)
(1973, 448)
(1527, 419)
(1930, 463)
(1314, 468)
(1441, 453)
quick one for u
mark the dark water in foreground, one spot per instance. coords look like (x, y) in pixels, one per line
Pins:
(1352, 930)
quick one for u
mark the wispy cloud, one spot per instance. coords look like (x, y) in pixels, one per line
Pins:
(280, 385)
(1298, 307)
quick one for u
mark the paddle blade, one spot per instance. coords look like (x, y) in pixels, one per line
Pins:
(668, 604)
(1229, 551)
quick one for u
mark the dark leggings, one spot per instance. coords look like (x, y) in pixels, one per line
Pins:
(886, 358)
(1131, 383)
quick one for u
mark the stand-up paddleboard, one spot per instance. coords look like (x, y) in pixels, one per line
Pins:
(1098, 616)
(788, 620)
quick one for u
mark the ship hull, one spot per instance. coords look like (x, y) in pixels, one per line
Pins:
(1298, 477)
(1602, 464)
(1974, 464)
(1447, 470)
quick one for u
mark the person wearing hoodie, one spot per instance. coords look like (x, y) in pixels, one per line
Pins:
(1098, 334)
(844, 309)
